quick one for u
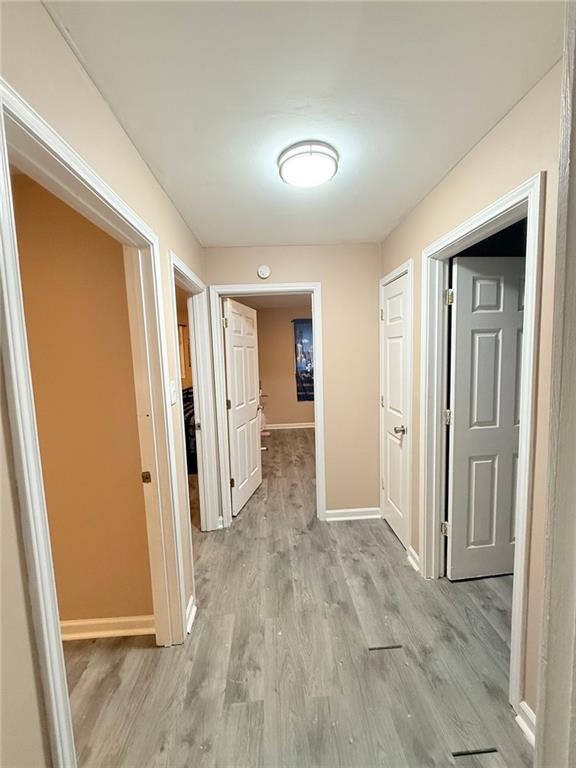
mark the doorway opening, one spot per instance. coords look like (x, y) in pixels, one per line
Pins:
(192, 394)
(285, 375)
(78, 332)
(30, 147)
(485, 327)
(79, 324)
(189, 387)
(479, 344)
(268, 394)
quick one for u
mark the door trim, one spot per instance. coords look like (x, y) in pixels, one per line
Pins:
(217, 293)
(555, 736)
(40, 152)
(404, 269)
(526, 201)
(199, 323)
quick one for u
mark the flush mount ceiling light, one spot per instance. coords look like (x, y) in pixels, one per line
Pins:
(308, 163)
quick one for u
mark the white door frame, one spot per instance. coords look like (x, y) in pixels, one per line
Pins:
(35, 148)
(217, 293)
(555, 740)
(201, 352)
(526, 201)
(404, 269)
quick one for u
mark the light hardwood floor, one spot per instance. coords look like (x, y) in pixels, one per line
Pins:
(279, 671)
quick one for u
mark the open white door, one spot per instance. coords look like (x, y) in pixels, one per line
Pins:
(487, 322)
(242, 385)
(395, 312)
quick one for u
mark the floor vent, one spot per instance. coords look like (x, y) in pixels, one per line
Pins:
(384, 647)
(472, 752)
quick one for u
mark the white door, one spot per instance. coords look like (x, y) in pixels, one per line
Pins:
(242, 385)
(395, 351)
(487, 319)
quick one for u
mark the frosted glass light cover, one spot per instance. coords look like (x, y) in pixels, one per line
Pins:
(308, 163)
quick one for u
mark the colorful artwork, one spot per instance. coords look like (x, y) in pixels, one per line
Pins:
(304, 349)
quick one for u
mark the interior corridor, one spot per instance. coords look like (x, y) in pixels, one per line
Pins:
(315, 644)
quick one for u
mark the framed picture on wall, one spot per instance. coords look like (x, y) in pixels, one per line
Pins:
(304, 352)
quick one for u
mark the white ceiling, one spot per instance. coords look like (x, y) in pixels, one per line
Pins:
(211, 92)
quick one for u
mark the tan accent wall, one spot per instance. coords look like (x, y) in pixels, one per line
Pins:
(183, 338)
(349, 277)
(39, 64)
(525, 142)
(277, 366)
(81, 358)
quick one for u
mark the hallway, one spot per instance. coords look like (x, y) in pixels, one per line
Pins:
(314, 645)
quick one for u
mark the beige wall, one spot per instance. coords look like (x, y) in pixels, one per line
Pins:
(81, 358)
(349, 276)
(525, 142)
(277, 366)
(37, 62)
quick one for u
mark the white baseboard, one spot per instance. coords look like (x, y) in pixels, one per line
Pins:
(357, 513)
(526, 719)
(190, 615)
(117, 626)
(413, 558)
(299, 425)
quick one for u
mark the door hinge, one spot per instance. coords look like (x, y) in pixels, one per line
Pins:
(232, 482)
(449, 297)
(146, 477)
(447, 417)
(225, 322)
(228, 404)
(444, 528)
(382, 400)
(381, 314)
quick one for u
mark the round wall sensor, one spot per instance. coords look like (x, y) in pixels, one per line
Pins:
(264, 271)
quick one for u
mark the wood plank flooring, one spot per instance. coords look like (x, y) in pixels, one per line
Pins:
(278, 669)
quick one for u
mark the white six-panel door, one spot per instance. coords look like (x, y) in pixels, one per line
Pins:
(395, 312)
(242, 386)
(486, 340)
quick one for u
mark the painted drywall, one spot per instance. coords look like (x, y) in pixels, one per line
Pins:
(40, 66)
(524, 143)
(81, 359)
(277, 364)
(349, 277)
